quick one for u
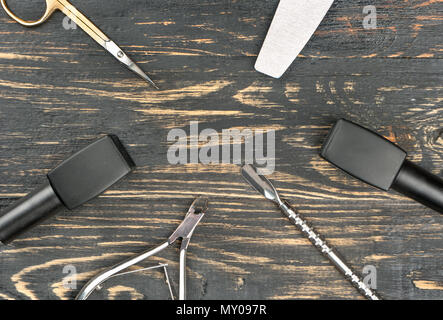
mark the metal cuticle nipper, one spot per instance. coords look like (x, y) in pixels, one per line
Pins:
(184, 232)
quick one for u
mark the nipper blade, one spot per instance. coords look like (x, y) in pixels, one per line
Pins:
(195, 213)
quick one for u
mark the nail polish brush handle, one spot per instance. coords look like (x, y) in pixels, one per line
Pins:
(373, 159)
(420, 185)
(78, 179)
(28, 212)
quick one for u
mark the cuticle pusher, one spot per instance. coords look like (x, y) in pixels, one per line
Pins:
(265, 187)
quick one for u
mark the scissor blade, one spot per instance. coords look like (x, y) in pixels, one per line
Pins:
(135, 68)
(101, 38)
(121, 56)
(293, 25)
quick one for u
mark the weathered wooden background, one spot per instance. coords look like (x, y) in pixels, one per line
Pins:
(59, 91)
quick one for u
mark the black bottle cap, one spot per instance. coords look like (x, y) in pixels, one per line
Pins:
(363, 154)
(76, 180)
(377, 161)
(90, 171)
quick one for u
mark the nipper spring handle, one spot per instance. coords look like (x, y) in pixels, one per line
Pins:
(92, 284)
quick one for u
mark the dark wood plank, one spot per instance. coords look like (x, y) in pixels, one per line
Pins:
(59, 90)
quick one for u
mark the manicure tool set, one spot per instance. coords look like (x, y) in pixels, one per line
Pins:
(357, 151)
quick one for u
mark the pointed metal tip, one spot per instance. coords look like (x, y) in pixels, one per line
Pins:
(135, 68)
(148, 80)
(260, 183)
(121, 56)
(200, 204)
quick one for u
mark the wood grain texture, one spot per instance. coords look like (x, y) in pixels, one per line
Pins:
(59, 91)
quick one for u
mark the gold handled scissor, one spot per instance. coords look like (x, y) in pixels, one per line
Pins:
(96, 34)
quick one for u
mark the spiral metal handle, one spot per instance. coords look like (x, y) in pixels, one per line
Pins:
(327, 251)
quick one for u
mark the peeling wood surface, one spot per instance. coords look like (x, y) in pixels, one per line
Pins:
(59, 91)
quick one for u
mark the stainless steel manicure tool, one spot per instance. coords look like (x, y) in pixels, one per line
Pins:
(265, 187)
(84, 23)
(159, 266)
(184, 232)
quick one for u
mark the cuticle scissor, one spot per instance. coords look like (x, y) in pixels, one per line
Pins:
(81, 20)
(184, 232)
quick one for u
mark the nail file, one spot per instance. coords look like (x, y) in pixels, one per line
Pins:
(293, 25)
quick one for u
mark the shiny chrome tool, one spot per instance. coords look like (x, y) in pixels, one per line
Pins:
(87, 26)
(184, 232)
(265, 187)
